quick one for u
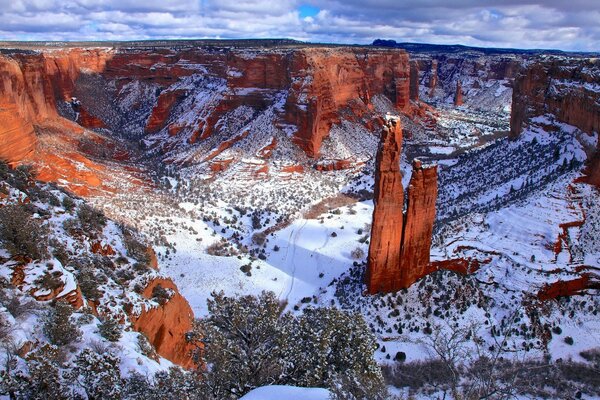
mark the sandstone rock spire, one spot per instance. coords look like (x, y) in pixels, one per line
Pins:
(400, 243)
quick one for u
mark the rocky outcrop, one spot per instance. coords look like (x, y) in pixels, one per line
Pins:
(418, 223)
(400, 243)
(414, 80)
(568, 89)
(324, 81)
(458, 96)
(166, 326)
(433, 77)
(566, 288)
(162, 110)
(16, 134)
(383, 265)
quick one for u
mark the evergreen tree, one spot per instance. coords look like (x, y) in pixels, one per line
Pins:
(99, 375)
(58, 326)
(45, 378)
(243, 343)
(111, 330)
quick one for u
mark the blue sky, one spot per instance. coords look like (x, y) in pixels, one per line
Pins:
(571, 25)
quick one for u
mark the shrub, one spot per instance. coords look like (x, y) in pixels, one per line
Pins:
(50, 280)
(99, 374)
(569, 340)
(90, 219)
(22, 234)
(160, 294)
(135, 248)
(357, 253)
(68, 203)
(111, 330)
(58, 326)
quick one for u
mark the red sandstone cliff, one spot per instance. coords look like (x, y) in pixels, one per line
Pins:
(400, 243)
(383, 267)
(418, 223)
(166, 326)
(325, 81)
(568, 89)
(433, 77)
(458, 96)
(414, 80)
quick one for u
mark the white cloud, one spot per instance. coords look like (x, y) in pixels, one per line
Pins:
(569, 25)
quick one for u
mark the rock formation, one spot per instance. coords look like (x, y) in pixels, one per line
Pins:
(433, 77)
(458, 96)
(414, 80)
(418, 222)
(321, 82)
(400, 243)
(383, 266)
(567, 89)
(166, 326)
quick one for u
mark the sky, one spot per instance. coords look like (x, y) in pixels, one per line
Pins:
(555, 24)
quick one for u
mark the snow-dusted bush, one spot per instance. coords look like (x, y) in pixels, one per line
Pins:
(90, 219)
(251, 342)
(58, 326)
(21, 234)
(111, 330)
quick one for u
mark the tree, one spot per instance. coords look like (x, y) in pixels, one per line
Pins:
(22, 234)
(45, 378)
(251, 342)
(111, 330)
(243, 343)
(330, 347)
(98, 375)
(58, 326)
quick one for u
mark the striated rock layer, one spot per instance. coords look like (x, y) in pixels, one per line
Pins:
(400, 243)
(566, 89)
(383, 266)
(317, 84)
(418, 226)
(458, 96)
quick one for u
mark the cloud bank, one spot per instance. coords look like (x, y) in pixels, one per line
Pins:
(571, 25)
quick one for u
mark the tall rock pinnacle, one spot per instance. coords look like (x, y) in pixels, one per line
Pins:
(400, 243)
(383, 268)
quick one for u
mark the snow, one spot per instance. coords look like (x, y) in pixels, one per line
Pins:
(276, 392)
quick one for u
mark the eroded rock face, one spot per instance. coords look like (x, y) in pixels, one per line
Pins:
(433, 77)
(324, 81)
(383, 266)
(458, 96)
(16, 134)
(400, 243)
(414, 80)
(418, 223)
(566, 89)
(166, 326)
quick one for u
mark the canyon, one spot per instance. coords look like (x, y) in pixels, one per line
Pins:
(434, 181)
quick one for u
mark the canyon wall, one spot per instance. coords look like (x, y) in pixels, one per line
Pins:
(137, 90)
(566, 89)
(400, 243)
